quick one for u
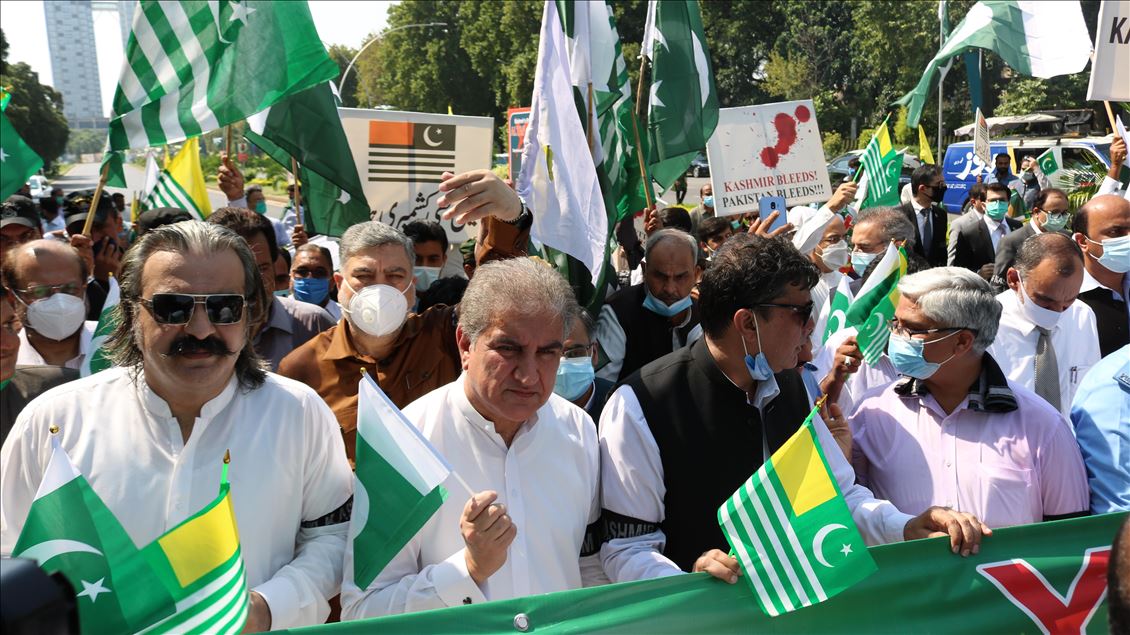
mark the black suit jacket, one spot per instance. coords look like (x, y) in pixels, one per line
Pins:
(935, 252)
(28, 383)
(970, 245)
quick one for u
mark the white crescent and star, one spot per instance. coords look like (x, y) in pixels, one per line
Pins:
(428, 138)
(44, 551)
(818, 542)
(92, 590)
(344, 198)
(3, 155)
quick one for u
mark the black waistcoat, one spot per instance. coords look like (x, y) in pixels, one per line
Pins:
(710, 441)
(648, 334)
(1110, 318)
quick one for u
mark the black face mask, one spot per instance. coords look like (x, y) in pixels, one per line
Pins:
(938, 193)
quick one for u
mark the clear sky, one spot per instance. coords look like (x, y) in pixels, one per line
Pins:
(25, 29)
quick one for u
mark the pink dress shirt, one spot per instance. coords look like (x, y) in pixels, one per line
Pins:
(1003, 454)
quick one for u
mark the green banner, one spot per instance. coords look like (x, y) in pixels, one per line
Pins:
(920, 588)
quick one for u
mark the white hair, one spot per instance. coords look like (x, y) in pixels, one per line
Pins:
(955, 297)
(371, 234)
(516, 286)
(671, 233)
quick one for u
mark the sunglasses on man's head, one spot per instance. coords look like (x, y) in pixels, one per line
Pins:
(177, 308)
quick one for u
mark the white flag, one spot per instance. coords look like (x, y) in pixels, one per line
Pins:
(558, 178)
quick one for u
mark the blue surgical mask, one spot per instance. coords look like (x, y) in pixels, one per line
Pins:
(574, 376)
(655, 305)
(758, 367)
(59, 200)
(860, 261)
(282, 293)
(708, 201)
(736, 224)
(907, 355)
(425, 276)
(996, 210)
(1116, 253)
(312, 290)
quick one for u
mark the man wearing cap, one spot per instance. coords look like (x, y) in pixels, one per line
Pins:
(102, 249)
(48, 280)
(19, 223)
(151, 219)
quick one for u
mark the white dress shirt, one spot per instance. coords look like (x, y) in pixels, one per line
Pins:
(922, 219)
(997, 229)
(28, 356)
(288, 473)
(821, 304)
(549, 481)
(1075, 340)
(632, 485)
(614, 341)
(334, 309)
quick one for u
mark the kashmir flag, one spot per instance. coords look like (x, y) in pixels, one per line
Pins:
(924, 151)
(199, 563)
(398, 484)
(193, 65)
(17, 160)
(779, 521)
(115, 175)
(1035, 38)
(838, 307)
(884, 166)
(307, 128)
(70, 530)
(181, 184)
(682, 110)
(558, 176)
(97, 360)
(875, 304)
(152, 172)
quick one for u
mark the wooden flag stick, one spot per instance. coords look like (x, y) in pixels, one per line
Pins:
(639, 86)
(588, 122)
(297, 192)
(1110, 116)
(97, 197)
(227, 140)
(643, 168)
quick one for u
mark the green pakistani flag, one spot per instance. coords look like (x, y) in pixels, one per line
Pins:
(307, 128)
(398, 484)
(875, 304)
(194, 65)
(1049, 161)
(1037, 39)
(97, 359)
(791, 529)
(682, 110)
(838, 306)
(70, 529)
(17, 160)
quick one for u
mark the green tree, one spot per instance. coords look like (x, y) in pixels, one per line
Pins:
(497, 37)
(86, 141)
(36, 112)
(342, 55)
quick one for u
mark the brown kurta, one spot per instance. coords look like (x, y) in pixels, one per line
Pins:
(424, 355)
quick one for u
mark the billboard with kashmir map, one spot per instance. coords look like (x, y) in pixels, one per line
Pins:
(767, 150)
(401, 155)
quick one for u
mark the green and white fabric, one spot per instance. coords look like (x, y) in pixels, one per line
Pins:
(875, 304)
(193, 65)
(682, 110)
(17, 160)
(97, 360)
(1036, 38)
(398, 482)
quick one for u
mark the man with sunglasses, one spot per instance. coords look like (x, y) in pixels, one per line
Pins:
(733, 394)
(48, 279)
(151, 435)
(956, 432)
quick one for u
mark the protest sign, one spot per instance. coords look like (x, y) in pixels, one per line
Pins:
(767, 150)
(1110, 67)
(516, 121)
(981, 139)
(401, 155)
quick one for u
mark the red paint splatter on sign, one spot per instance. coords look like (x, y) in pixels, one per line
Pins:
(769, 157)
(786, 132)
(802, 113)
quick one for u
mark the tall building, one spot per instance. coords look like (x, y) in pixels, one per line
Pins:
(74, 60)
(125, 10)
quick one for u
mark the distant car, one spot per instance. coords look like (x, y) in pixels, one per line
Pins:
(39, 187)
(699, 167)
(840, 171)
(1083, 162)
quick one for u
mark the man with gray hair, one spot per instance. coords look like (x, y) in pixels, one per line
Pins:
(956, 432)
(408, 354)
(150, 435)
(646, 321)
(530, 456)
(871, 232)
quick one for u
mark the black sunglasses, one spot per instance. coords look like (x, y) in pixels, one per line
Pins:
(803, 311)
(176, 308)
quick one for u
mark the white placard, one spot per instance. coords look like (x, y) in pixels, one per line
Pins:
(400, 156)
(1110, 67)
(981, 148)
(767, 150)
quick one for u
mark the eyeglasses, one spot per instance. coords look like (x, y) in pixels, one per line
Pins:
(803, 311)
(896, 328)
(41, 291)
(577, 351)
(177, 308)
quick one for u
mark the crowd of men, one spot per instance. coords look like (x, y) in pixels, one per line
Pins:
(598, 447)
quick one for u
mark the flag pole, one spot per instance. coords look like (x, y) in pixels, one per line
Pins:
(1110, 116)
(297, 191)
(589, 124)
(96, 198)
(227, 141)
(636, 133)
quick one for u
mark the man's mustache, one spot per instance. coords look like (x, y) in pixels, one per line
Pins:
(188, 345)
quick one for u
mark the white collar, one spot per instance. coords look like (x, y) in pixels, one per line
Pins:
(477, 420)
(158, 407)
(993, 225)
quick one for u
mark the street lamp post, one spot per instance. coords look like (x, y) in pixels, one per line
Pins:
(375, 39)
